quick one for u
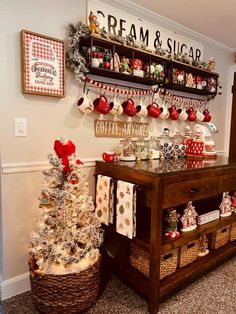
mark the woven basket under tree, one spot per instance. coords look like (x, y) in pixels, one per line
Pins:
(64, 258)
(61, 294)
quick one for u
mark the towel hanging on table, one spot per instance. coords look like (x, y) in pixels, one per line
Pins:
(126, 209)
(104, 199)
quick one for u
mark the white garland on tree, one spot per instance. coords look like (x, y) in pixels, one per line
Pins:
(69, 233)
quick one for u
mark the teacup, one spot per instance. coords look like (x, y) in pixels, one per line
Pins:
(85, 104)
(153, 110)
(101, 104)
(116, 108)
(129, 107)
(108, 156)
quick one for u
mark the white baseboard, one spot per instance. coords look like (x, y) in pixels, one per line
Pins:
(14, 286)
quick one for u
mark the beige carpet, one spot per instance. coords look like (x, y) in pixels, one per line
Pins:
(213, 294)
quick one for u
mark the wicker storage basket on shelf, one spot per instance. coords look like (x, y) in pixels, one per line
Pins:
(188, 253)
(139, 258)
(233, 232)
(219, 238)
(66, 294)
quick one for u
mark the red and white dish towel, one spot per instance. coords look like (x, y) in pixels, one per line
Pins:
(105, 199)
(126, 209)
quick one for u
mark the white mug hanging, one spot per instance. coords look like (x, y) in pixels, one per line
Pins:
(116, 107)
(164, 111)
(85, 104)
(183, 116)
(141, 109)
(199, 115)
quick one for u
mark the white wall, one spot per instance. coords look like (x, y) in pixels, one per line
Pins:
(49, 118)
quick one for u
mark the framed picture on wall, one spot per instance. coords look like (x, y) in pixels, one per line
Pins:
(42, 65)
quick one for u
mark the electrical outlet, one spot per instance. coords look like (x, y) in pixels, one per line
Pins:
(20, 127)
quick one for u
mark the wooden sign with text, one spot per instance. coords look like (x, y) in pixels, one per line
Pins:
(111, 128)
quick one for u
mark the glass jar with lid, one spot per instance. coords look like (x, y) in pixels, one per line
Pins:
(166, 144)
(141, 148)
(153, 148)
(179, 146)
(127, 150)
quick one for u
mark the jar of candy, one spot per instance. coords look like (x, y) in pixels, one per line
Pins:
(166, 144)
(179, 147)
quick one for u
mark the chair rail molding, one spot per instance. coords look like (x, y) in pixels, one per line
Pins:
(33, 166)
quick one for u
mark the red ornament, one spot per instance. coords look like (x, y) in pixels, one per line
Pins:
(74, 178)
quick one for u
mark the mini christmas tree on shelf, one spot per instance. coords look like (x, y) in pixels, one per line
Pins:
(64, 256)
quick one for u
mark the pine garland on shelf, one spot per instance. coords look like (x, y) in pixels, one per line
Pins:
(75, 61)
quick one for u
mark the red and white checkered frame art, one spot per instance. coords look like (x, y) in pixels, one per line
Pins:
(43, 65)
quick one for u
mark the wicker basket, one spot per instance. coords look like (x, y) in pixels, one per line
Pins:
(70, 293)
(219, 237)
(139, 258)
(188, 253)
(233, 232)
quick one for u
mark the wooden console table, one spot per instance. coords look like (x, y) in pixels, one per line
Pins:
(165, 184)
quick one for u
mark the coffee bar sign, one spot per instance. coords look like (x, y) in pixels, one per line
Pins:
(115, 20)
(111, 128)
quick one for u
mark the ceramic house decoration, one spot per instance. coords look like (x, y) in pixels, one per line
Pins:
(225, 206)
(189, 218)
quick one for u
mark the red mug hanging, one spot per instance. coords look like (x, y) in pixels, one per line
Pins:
(174, 115)
(207, 116)
(191, 114)
(101, 104)
(129, 107)
(153, 110)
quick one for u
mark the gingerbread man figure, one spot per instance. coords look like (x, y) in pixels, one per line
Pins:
(93, 24)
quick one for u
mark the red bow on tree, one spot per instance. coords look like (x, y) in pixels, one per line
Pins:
(63, 151)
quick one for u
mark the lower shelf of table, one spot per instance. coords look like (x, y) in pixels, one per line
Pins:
(121, 267)
(188, 273)
(186, 237)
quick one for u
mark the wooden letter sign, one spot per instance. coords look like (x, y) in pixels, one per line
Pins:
(110, 128)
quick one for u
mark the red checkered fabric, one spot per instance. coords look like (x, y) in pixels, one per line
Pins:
(43, 48)
(42, 51)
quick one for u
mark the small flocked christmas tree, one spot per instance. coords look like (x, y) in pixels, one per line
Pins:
(69, 233)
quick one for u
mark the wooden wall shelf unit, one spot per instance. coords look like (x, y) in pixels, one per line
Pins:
(148, 58)
(161, 189)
